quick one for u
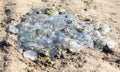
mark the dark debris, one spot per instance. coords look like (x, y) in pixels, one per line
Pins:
(118, 61)
(8, 20)
(4, 44)
(7, 11)
(107, 51)
(45, 0)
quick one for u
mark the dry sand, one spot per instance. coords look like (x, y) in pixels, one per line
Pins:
(104, 11)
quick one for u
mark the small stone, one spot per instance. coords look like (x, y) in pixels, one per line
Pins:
(7, 11)
(45, 0)
(61, 11)
(51, 11)
(30, 54)
(8, 20)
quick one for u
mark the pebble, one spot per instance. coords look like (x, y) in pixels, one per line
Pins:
(62, 11)
(50, 11)
(45, 0)
(30, 54)
(8, 20)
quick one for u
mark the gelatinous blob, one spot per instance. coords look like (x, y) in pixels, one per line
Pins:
(110, 42)
(105, 29)
(50, 28)
(13, 29)
(31, 44)
(30, 54)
